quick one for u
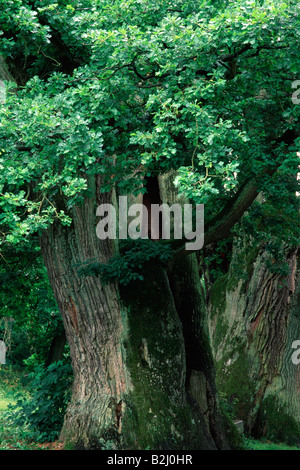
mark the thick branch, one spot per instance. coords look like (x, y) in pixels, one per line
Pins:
(220, 226)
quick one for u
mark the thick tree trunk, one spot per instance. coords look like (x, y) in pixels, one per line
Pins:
(93, 323)
(200, 373)
(253, 322)
(129, 349)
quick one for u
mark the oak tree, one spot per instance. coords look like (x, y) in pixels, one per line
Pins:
(102, 97)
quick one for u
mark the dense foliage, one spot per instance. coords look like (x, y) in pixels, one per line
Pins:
(129, 264)
(128, 89)
(43, 410)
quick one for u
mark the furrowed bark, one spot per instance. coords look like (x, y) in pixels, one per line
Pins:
(129, 349)
(93, 324)
(253, 323)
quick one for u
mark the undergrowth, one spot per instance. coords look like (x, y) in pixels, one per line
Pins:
(19, 434)
(32, 406)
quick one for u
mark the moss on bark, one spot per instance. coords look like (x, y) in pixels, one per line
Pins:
(251, 331)
(158, 412)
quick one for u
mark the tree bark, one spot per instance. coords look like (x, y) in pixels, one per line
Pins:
(253, 323)
(57, 347)
(128, 348)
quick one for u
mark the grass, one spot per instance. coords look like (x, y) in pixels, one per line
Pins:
(252, 444)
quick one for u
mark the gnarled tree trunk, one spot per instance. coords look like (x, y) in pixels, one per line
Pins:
(143, 374)
(253, 323)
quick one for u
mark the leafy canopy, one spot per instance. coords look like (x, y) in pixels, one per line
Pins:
(128, 89)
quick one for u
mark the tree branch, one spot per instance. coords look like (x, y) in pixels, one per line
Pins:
(220, 226)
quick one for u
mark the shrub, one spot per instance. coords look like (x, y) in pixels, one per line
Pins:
(44, 411)
(31, 362)
(128, 266)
